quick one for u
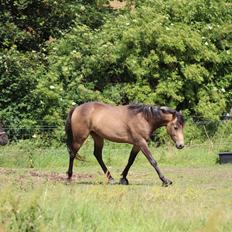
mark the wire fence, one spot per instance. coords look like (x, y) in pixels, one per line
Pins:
(18, 133)
(209, 135)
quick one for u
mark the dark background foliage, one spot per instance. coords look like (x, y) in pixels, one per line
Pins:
(57, 53)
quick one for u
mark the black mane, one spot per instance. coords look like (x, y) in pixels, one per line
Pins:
(150, 111)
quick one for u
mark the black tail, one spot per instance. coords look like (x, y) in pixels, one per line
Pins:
(69, 136)
(68, 131)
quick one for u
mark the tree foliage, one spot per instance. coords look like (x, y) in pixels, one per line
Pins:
(175, 53)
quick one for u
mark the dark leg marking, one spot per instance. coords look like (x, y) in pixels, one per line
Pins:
(147, 153)
(135, 150)
(98, 146)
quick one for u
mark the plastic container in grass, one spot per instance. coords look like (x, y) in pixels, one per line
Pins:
(225, 157)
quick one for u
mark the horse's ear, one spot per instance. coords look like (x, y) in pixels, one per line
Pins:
(180, 112)
(167, 110)
(174, 113)
(164, 109)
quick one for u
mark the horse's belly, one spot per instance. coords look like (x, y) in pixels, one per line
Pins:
(114, 134)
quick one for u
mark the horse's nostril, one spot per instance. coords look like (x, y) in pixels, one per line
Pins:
(180, 146)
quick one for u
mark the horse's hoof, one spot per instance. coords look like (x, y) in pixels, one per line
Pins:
(112, 181)
(166, 183)
(124, 181)
(69, 174)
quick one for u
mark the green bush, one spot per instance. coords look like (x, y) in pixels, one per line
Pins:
(55, 54)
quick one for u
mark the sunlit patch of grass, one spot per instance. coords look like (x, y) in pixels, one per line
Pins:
(199, 200)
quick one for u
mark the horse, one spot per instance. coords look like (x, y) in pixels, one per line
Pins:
(133, 124)
(3, 136)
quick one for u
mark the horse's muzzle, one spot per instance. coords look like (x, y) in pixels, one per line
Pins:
(179, 146)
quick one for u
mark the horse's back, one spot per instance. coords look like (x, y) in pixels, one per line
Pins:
(95, 112)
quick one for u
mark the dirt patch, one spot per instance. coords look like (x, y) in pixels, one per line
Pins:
(55, 176)
(44, 176)
(7, 171)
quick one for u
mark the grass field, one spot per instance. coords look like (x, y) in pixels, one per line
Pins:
(35, 196)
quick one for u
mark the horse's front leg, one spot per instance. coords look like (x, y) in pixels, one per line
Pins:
(135, 150)
(144, 148)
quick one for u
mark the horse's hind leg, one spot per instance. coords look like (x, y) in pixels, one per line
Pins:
(70, 167)
(98, 146)
(72, 154)
(135, 150)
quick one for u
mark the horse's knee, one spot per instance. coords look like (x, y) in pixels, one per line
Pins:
(153, 163)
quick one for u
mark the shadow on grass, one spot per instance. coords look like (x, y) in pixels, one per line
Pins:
(106, 184)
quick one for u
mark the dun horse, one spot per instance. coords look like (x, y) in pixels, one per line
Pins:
(133, 124)
(3, 136)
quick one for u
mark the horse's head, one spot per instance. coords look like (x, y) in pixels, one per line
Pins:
(175, 127)
(175, 130)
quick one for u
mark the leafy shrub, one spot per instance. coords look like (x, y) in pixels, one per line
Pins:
(174, 53)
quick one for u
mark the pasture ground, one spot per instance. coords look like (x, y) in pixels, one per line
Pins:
(35, 196)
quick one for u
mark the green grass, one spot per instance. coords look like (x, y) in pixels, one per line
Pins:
(26, 154)
(34, 196)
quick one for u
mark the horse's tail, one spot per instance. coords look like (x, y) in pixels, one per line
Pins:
(69, 135)
(68, 131)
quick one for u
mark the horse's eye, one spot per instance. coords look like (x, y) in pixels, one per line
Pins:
(176, 127)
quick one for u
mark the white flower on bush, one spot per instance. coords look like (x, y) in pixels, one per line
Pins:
(52, 87)
(34, 136)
